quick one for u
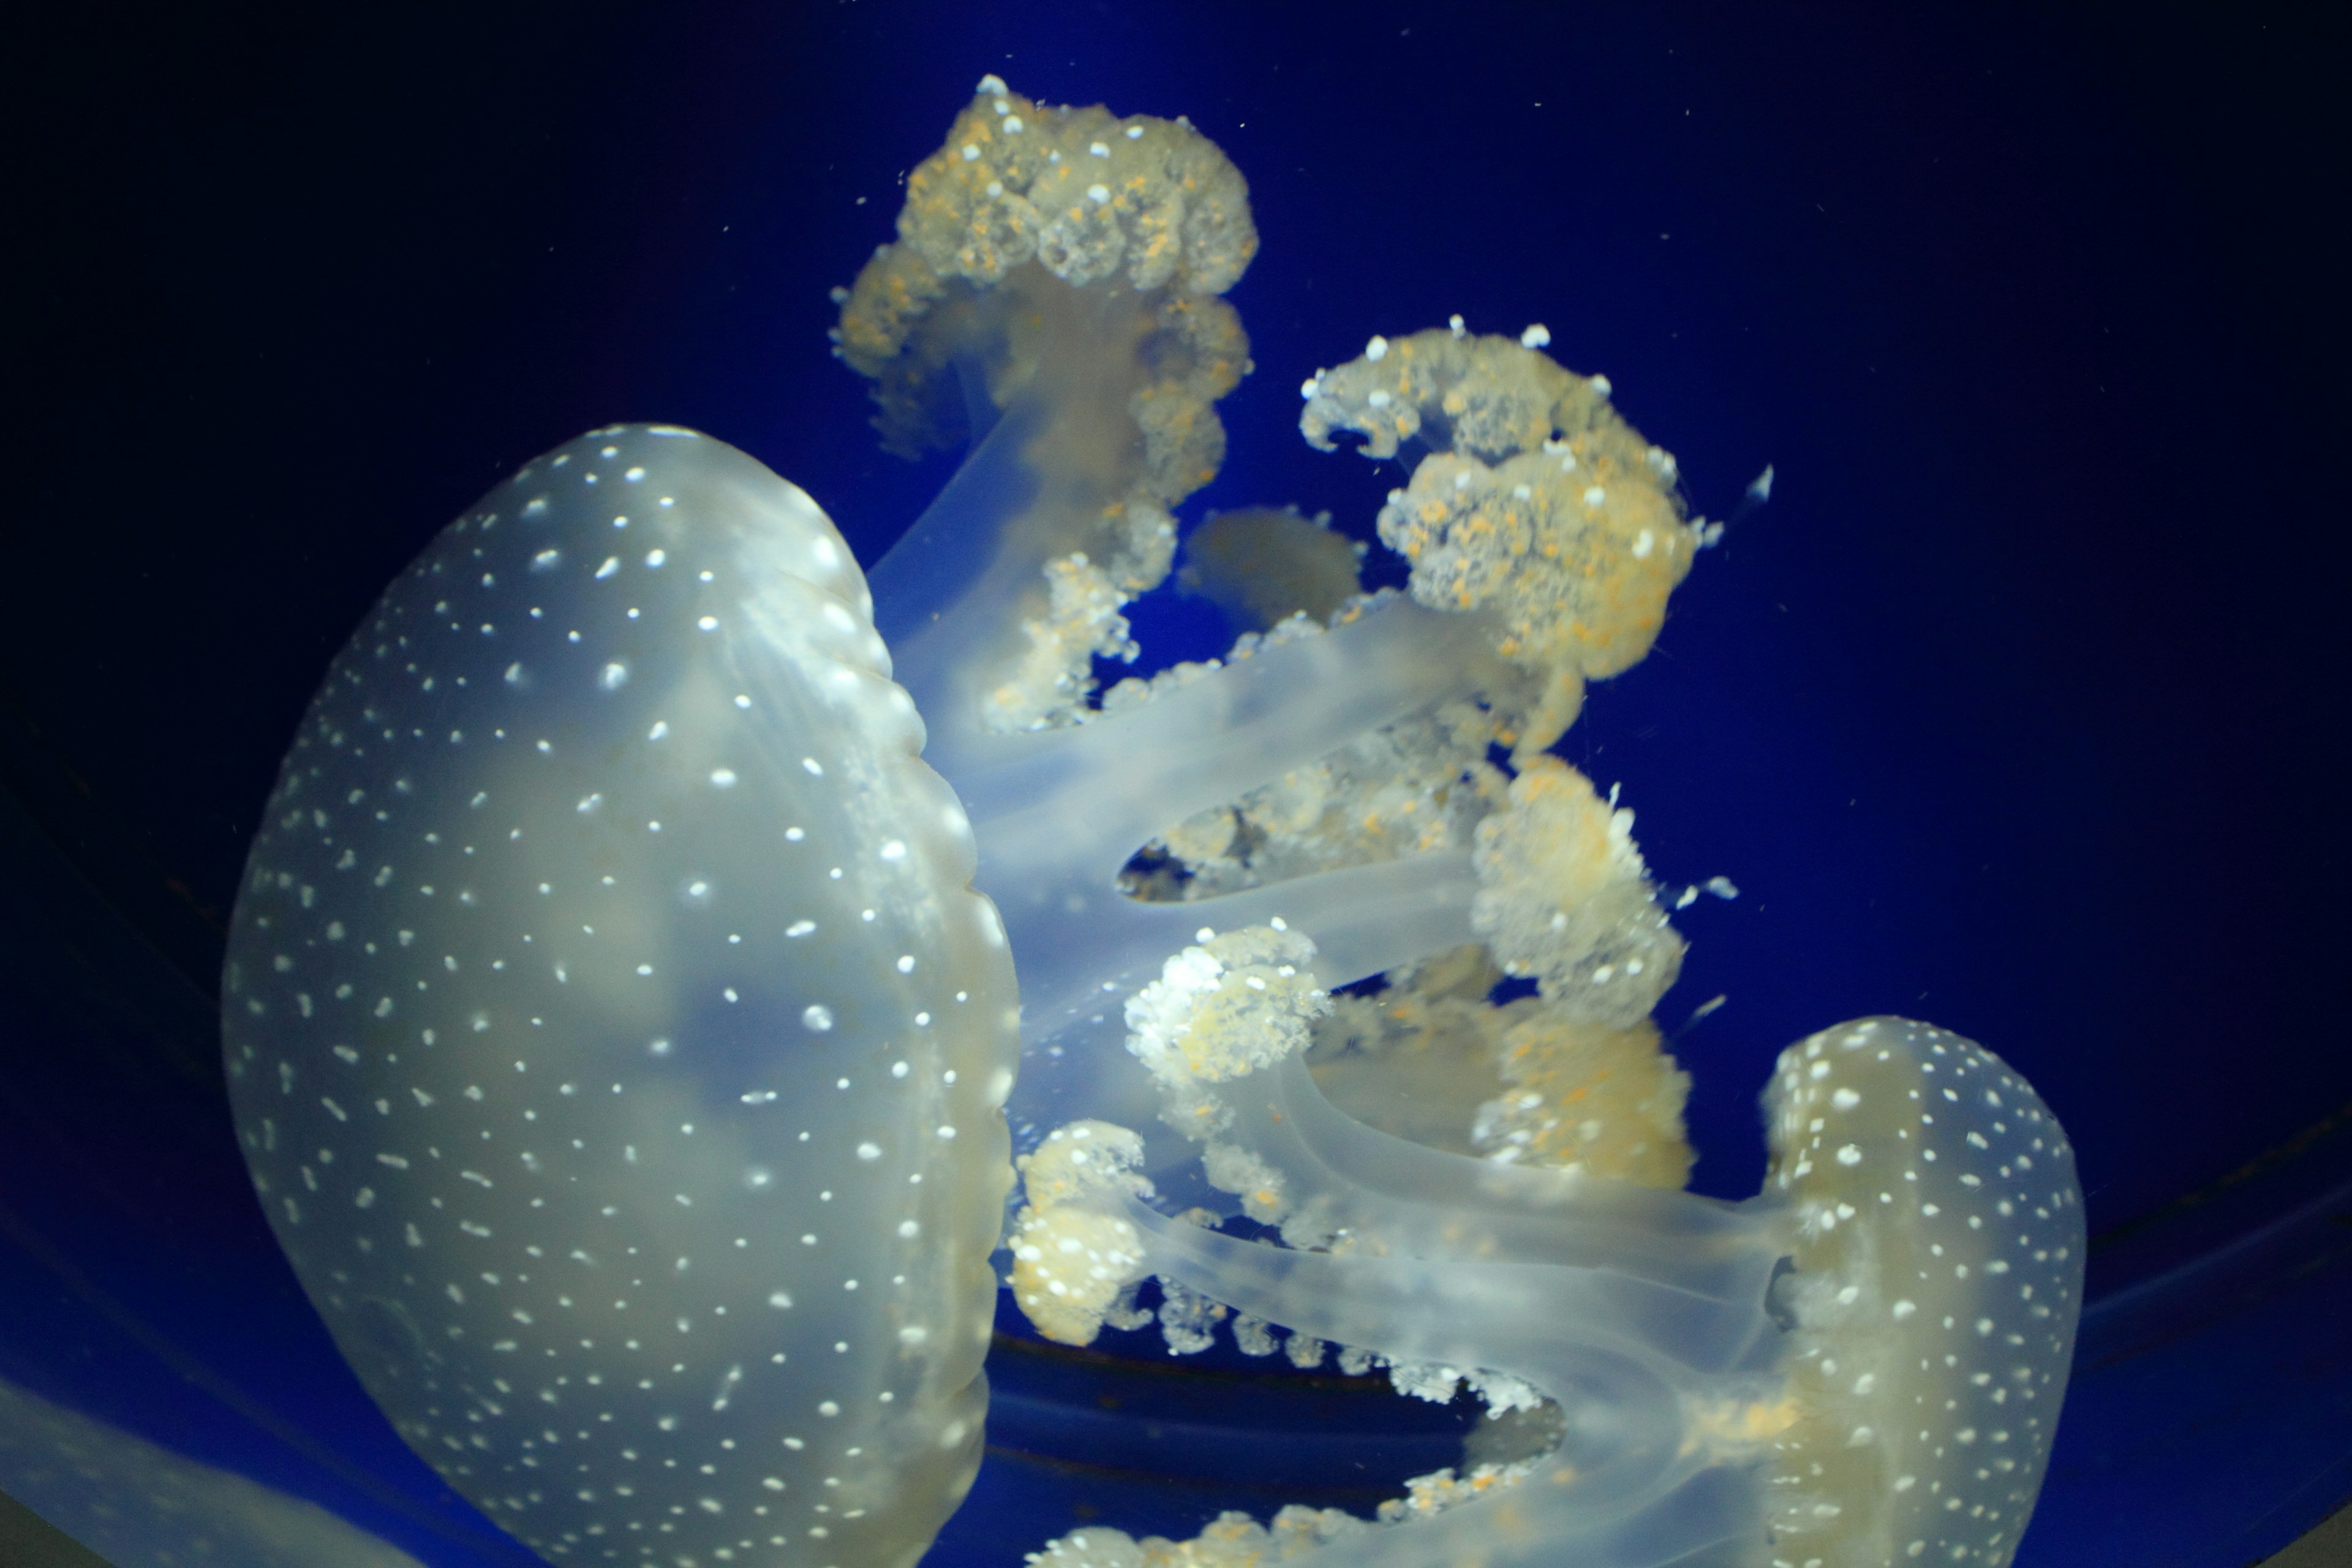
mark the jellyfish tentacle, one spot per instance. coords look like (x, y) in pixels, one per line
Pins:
(1088, 941)
(1628, 1361)
(1390, 1194)
(939, 602)
(1364, 920)
(1527, 1319)
(1097, 791)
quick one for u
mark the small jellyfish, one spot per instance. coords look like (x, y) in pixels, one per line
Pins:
(1863, 1364)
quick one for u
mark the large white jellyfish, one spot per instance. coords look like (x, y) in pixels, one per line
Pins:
(624, 1054)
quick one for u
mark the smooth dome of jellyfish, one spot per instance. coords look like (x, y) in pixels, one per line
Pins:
(613, 1036)
(626, 1058)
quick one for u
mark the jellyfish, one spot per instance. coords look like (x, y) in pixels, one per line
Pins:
(664, 937)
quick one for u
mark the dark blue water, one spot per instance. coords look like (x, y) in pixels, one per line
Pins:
(2018, 709)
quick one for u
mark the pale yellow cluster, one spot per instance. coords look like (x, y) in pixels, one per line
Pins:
(1419, 1059)
(1074, 1257)
(1587, 1097)
(1222, 1008)
(1050, 682)
(1564, 898)
(1081, 622)
(1231, 1541)
(1228, 1005)
(1087, 195)
(1433, 1494)
(1064, 265)
(1538, 505)
(1525, 1082)
(1483, 395)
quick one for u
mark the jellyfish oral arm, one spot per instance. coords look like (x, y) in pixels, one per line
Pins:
(1620, 1348)
(940, 594)
(1126, 775)
(1870, 1352)
(1057, 813)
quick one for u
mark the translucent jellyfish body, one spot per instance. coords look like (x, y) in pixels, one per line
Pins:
(1808, 1379)
(614, 1037)
(1862, 1366)
(626, 1057)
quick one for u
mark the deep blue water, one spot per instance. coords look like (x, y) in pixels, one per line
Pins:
(2018, 709)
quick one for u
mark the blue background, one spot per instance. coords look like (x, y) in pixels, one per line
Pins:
(2018, 709)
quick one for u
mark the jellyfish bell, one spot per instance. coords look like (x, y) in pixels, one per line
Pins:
(614, 1038)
